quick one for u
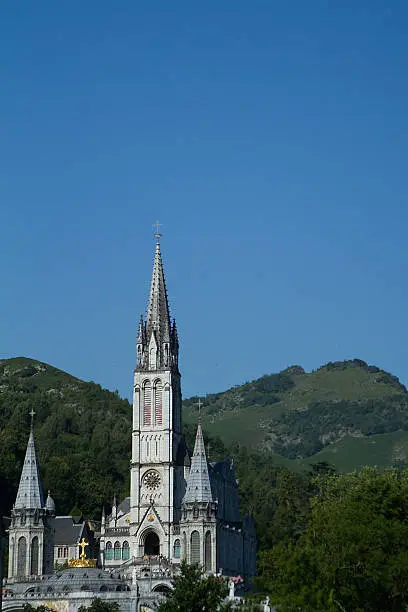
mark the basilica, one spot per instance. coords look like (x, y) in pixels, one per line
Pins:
(181, 504)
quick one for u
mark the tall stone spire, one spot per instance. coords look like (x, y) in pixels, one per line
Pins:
(198, 484)
(157, 316)
(157, 342)
(30, 493)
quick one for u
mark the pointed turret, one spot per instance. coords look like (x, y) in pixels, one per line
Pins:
(50, 504)
(30, 493)
(141, 342)
(198, 484)
(30, 534)
(174, 343)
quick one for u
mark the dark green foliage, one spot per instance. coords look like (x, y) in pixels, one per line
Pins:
(353, 554)
(98, 605)
(29, 608)
(304, 433)
(194, 592)
(81, 430)
(296, 415)
(262, 392)
(83, 436)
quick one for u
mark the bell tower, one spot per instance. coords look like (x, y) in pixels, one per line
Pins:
(157, 472)
(30, 541)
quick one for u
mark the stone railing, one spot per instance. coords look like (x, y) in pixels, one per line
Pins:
(116, 531)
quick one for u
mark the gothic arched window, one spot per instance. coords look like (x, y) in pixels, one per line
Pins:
(176, 552)
(116, 551)
(158, 409)
(34, 557)
(207, 551)
(147, 403)
(109, 551)
(21, 556)
(125, 550)
(195, 547)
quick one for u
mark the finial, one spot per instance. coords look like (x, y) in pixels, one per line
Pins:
(32, 413)
(157, 234)
(199, 404)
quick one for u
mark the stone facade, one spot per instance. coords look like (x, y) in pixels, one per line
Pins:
(181, 506)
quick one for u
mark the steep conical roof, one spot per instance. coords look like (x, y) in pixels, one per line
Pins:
(157, 316)
(198, 483)
(30, 493)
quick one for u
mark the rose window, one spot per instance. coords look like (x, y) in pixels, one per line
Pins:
(151, 481)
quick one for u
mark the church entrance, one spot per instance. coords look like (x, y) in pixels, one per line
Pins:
(152, 544)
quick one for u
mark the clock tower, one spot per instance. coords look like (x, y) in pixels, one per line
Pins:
(158, 450)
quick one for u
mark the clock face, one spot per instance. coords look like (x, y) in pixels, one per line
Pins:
(151, 480)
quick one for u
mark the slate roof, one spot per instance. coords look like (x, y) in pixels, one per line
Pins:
(124, 506)
(67, 532)
(198, 482)
(30, 493)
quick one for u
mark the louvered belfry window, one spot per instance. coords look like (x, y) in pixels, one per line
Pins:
(195, 547)
(21, 557)
(207, 553)
(34, 556)
(158, 409)
(147, 403)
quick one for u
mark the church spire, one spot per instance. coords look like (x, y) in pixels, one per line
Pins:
(157, 344)
(198, 484)
(30, 493)
(157, 316)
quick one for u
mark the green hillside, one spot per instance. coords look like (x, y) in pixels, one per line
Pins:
(346, 414)
(82, 435)
(300, 415)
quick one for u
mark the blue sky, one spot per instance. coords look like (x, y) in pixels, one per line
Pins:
(270, 140)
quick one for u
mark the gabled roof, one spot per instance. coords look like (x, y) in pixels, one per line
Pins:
(30, 493)
(67, 532)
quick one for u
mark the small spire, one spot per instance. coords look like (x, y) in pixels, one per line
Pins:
(50, 504)
(198, 482)
(30, 493)
(140, 338)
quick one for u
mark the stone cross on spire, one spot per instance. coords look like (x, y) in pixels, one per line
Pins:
(199, 405)
(157, 234)
(32, 414)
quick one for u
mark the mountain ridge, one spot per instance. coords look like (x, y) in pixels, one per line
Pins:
(344, 413)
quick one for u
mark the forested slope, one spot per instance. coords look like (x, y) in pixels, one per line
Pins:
(345, 413)
(297, 414)
(82, 434)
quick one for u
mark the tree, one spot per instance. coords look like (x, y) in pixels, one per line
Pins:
(354, 553)
(194, 592)
(98, 605)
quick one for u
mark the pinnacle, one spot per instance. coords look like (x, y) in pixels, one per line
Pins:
(30, 494)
